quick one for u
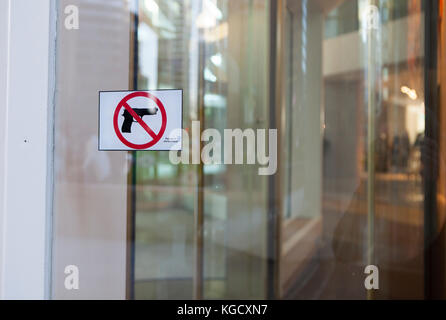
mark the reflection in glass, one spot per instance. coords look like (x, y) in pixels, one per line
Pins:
(351, 105)
(345, 94)
(189, 45)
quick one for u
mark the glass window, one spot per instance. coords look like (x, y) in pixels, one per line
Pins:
(200, 229)
(350, 87)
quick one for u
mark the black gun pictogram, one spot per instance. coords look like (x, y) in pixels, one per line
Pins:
(128, 118)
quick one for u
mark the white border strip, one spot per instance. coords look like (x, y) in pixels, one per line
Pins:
(26, 172)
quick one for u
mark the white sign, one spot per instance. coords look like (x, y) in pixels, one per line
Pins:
(140, 120)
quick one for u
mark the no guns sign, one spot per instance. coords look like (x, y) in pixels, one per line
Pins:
(140, 120)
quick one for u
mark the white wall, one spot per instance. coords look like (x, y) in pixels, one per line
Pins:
(89, 208)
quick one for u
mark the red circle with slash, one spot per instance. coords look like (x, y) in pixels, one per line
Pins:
(155, 137)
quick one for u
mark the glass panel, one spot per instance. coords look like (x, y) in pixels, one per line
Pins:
(196, 45)
(368, 103)
(166, 193)
(302, 147)
(235, 206)
(90, 187)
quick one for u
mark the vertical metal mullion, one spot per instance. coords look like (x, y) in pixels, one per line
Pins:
(271, 232)
(131, 179)
(276, 26)
(199, 218)
(371, 111)
(430, 153)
